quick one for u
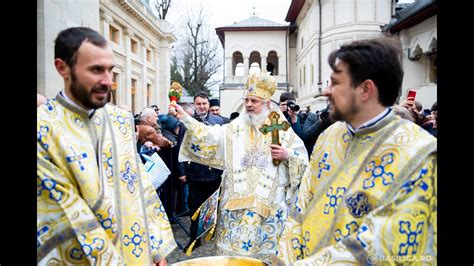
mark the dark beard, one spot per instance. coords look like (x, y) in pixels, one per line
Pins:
(81, 94)
(336, 115)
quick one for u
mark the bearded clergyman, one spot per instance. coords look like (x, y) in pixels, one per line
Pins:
(263, 162)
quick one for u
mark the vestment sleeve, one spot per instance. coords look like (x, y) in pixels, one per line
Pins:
(203, 144)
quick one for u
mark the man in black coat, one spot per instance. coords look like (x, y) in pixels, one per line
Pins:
(314, 124)
(202, 180)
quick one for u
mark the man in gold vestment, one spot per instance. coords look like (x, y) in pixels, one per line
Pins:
(369, 195)
(96, 203)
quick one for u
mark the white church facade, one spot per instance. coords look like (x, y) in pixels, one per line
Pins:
(140, 41)
(250, 46)
(315, 29)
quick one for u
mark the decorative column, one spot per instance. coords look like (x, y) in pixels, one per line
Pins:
(246, 66)
(165, 65)
(106, 18)
(126, 93)
(229, 71)
(146, 45)
(281, 66)
(156, 84)
(264, 63)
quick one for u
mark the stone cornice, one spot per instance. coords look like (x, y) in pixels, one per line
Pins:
(132, 7)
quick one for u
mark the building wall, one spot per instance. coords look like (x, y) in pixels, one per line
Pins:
(231, 91)
(260, 41)
(342, 21)
(133, 21)
(417, 71)
(54, 16)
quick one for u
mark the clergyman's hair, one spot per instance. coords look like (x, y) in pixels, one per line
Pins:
(378, 59)
(69, 40)
(201, 94)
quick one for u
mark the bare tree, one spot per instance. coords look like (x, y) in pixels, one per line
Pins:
(162, 7)
(197, 58)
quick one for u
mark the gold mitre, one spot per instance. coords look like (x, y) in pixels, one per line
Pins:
(262, 85)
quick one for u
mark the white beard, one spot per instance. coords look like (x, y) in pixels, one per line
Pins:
(256, 119)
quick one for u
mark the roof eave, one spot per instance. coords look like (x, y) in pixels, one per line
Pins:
(294, 10)
(414, 19)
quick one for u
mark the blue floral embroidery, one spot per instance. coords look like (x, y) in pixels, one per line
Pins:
(358, 204)
(350, 228)
(301, 247)
(195, 148)
(246, 245)
(409, 185)
(322, 166)
(250, 213)
(43, 131)
(333, 199)
(129, 176)
(76, 158)
(136, 239)
(88, 247)
(379, 171)
(49, 185)
(410, 247)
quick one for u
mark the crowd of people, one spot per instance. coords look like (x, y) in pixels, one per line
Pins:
(351, 182)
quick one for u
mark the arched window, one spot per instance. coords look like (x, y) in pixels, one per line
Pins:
(255, 58)
(237, 59)
(272, 63)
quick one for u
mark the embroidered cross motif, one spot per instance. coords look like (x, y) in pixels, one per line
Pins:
(301, 247)
(107, 222)
(155, 243)
(87, 247)
(42, 135)
(129, 177)
(253, 158)
(274, 127)
(107, 162)
(350, 228)
(410, 247)
(76, 158)
(47, 184)
(361, 230)
(409, 185)
(378, 171)
(136, 239)
(322, 166)
(334, 199)
(120, 121)
(358, 204)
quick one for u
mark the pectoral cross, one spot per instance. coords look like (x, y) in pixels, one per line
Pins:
(274, 127)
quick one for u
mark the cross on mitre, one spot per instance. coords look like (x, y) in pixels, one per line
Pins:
(274, 127)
